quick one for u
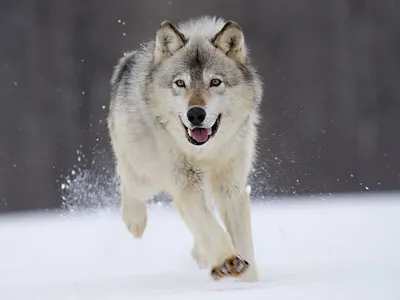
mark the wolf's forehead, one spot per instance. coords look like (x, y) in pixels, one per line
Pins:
(197, 60)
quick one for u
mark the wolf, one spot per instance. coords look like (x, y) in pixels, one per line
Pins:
(183, 120)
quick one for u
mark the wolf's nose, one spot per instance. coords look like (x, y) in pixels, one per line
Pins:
(196, 115)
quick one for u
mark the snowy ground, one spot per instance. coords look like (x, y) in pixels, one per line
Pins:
(346, 249)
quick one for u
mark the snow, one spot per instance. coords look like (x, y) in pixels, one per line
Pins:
(340, 248)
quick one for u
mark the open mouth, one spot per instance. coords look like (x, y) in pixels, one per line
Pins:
(199, 135)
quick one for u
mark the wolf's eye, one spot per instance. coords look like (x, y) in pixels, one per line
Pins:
(180, 83)
(215, 82)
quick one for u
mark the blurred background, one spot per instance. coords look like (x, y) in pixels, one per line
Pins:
(330, 112)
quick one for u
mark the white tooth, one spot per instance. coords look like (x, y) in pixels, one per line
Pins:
(189, 132)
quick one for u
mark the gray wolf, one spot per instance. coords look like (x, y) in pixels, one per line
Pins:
(183, 120)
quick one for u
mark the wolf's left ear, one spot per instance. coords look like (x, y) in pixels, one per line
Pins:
(168, 40)
(230, 40)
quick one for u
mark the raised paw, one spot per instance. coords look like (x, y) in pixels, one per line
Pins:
(135, 220)
(233, 266)
(136, 227)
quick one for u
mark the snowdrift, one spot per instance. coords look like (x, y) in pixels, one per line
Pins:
(342, 248)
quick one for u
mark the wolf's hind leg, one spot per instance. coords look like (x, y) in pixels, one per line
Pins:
(199, 254)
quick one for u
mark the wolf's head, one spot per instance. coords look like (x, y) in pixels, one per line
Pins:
(203, 81)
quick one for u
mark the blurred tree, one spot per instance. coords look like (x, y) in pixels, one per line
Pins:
(331, 109)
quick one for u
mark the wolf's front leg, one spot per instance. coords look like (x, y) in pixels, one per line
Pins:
(134, 210)
(233, 203)
(208, 233)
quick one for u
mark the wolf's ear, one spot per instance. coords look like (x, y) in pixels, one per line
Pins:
(168, 40)
(230, 40)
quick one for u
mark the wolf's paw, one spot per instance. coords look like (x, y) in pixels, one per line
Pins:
(135, 222)
(200, 257)
(234, 266)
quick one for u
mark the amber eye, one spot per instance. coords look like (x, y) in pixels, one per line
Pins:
(215, 82)
(180, 83)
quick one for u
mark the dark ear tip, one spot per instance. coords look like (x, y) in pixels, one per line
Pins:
(165, 23)
(233, 24)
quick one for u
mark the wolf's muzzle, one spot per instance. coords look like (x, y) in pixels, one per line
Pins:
(200, 135)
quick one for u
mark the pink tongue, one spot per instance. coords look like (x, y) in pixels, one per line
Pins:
(200, 134)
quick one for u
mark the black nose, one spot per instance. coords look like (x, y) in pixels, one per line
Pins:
(196, 115)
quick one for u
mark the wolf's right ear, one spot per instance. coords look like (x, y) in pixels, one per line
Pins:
(230, 40)
(168, 40)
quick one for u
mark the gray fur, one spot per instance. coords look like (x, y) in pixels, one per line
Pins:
(150, 131)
